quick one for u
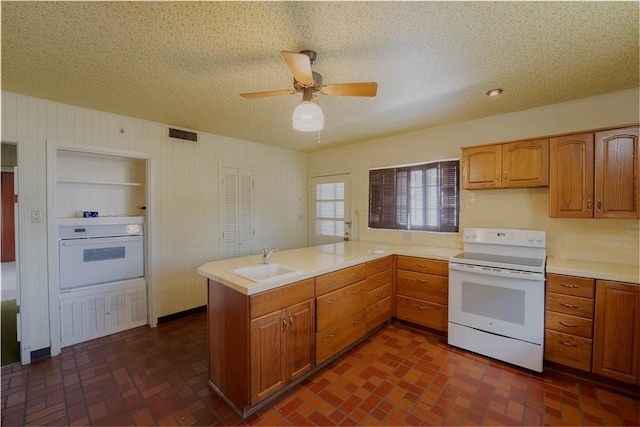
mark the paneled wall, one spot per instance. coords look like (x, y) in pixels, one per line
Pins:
(185, 225)
(611, 240)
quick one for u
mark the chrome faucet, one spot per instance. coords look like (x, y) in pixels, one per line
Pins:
(266, 254)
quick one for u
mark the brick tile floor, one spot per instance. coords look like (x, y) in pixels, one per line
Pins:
(397, 377)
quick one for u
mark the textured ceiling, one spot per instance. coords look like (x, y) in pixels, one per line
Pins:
(185, 63)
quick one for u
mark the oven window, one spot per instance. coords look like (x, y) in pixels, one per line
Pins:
(493, 302)
(103, 254)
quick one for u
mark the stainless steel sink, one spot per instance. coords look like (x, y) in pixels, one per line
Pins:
(263, 273)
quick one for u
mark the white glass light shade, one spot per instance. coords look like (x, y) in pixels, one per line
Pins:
(308, 117)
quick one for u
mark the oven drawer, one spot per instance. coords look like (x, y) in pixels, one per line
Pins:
(575, 306)
(423, 265)
(378, 280)
(422, 312)
(570, 285)
(378, 313)
(570, 324)
(568, 350)
(423, 286)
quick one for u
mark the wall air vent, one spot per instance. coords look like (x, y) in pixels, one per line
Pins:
(183, 135)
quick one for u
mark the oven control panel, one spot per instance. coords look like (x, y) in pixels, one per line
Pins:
(511, 237)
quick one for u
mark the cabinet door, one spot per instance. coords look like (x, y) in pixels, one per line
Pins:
(118, 311)
(616, 341)
(525, 164)
(268, 363)
(481, 167)
(616, 173)
(300, 337)
(571, 176)
(72, 320)
(96, 317)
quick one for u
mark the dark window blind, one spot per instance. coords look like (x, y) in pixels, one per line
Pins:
(421, 197)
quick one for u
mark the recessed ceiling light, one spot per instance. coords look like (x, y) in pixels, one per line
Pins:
(494, 92)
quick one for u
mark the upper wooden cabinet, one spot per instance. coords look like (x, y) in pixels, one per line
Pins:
(595, 175)
(511, 165)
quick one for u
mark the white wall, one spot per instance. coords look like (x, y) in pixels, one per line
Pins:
(185, 225)
(588, 239)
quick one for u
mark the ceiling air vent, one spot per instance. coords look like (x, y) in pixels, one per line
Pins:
(183, 135)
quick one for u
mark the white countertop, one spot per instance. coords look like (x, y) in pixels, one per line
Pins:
(314, 261)
(595, 270)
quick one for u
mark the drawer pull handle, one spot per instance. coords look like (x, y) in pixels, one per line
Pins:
(421, 307)
(355, 322)
(355, 274)
(356, 291)
(564, 304)
(569, 285)
(332, 301)
(284, 324)
(378, 309)
(290, 322)
(421, 281)
(380, 294)
(379, 281)
(422, 265)
(568, 344)
(331, 335)
(568, 325)
(331, 282)
(589, 205)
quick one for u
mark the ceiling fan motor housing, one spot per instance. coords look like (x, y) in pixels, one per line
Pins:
(317, 83)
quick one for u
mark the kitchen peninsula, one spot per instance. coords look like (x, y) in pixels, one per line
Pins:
(266, 336)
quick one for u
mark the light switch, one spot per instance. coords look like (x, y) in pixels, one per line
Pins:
(36, 216)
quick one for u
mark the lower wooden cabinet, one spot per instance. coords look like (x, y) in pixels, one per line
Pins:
(616, 348)
(282, 348)
(423, 292)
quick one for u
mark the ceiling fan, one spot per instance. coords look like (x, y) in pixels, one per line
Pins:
(308, 115)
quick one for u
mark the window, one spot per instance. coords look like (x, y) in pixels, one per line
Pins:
(419, 197)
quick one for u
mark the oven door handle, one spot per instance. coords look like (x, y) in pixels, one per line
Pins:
(100, 240)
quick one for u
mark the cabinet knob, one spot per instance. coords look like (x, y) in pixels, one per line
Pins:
(505, 176)
(589, 205)
(599, 205)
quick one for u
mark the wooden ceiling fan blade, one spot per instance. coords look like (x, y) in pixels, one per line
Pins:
(350, 89)
(300, 66)
(268, 93)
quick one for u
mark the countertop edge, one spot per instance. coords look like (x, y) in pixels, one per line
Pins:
(595, 270)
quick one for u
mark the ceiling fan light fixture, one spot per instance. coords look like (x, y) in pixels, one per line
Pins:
(308, 117)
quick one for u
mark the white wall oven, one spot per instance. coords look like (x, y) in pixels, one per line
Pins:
(100, 250)
(497, 295)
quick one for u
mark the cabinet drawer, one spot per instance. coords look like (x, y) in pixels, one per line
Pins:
(423, 313)
(378, 313)
(378, 280)
(423, 286)
(422, 265)
(339, 336)
(569, 324)
(568, 350)
(378, 266)
(575, 306)
(378, 294)
(276, 299)
(334, 306)
(337, 279)
(570, 285)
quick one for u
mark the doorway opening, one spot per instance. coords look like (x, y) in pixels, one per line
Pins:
(9, 285)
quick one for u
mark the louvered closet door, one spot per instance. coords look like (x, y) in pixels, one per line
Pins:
(236, 212)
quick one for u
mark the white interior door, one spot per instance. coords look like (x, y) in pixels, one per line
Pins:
(330, 198)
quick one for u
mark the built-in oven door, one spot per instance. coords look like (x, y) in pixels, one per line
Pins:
(90, 261)
(504, 302)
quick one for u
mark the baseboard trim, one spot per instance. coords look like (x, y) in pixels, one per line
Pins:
(181, 314)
